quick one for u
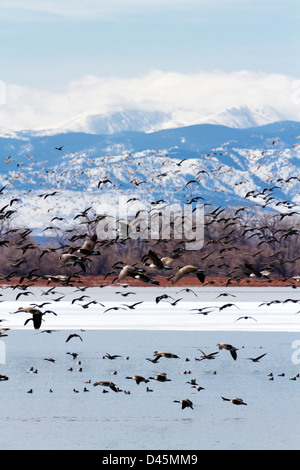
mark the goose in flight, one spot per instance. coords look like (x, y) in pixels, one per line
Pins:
(256, 359)
(245, 318)
(158, 263)
(106, 383)
(187, 270)
(235, 401)
(3, 332)
(168, 355)
(229, 348)
(206, 356)
(138, 379)
(161, 377)
(36, 313)
(135, 273)
(185, 403)
(68, 259)
(256, 273)
(87, 248)
(74, 335)
(111, 356)
(163, 296)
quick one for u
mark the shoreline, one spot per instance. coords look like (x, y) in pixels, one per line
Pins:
(190, 281)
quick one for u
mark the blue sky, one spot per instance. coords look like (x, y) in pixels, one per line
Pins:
(47, 45)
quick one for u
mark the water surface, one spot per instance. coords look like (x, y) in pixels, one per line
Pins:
(141, 420)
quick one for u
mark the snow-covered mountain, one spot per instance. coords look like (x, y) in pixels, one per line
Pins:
(116, 120)
(244, 117)
(120, 119)
(59, 175)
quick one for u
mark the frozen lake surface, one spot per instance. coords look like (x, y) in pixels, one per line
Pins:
(149, 315)
(59, 414)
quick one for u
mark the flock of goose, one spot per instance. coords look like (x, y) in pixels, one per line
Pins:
(158, 359)
(78, 258)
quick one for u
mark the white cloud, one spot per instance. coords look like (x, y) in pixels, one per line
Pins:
(189, 98)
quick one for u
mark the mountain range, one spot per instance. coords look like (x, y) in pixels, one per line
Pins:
(59, 174)
(121, 119)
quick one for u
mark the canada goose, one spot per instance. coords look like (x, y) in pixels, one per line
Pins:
(3, 332)
(125, 294)
(32, 310)
(135, 273)
(158, 263)
(107, 383)
(36, 313)
(192, 382)
(226, 306)
(74, 335)
(114, 308)
(256, 273)
(132, 306)
(74, 355)
(161, 377)
(256, 359)
(235, 401)
(169, 355)
(68, 259)
(187, 270)
(206, 356)
(138, 379)
(229, 348)
(127, 270)
(111, 356)
(188, 290)
(144, 278)
(185, 403)
(87, 248)
(225, 294)
(101, 182)
(79, 299)
(163, 296)
(245, 318)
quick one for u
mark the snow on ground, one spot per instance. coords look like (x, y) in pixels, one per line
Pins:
(265, 309)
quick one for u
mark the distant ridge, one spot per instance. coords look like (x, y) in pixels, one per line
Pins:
(224, 164)
(120, 119)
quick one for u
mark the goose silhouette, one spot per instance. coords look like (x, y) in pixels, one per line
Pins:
(138, 379)
(185, 403)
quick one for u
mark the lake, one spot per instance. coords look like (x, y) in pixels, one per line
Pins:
(59, 414)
